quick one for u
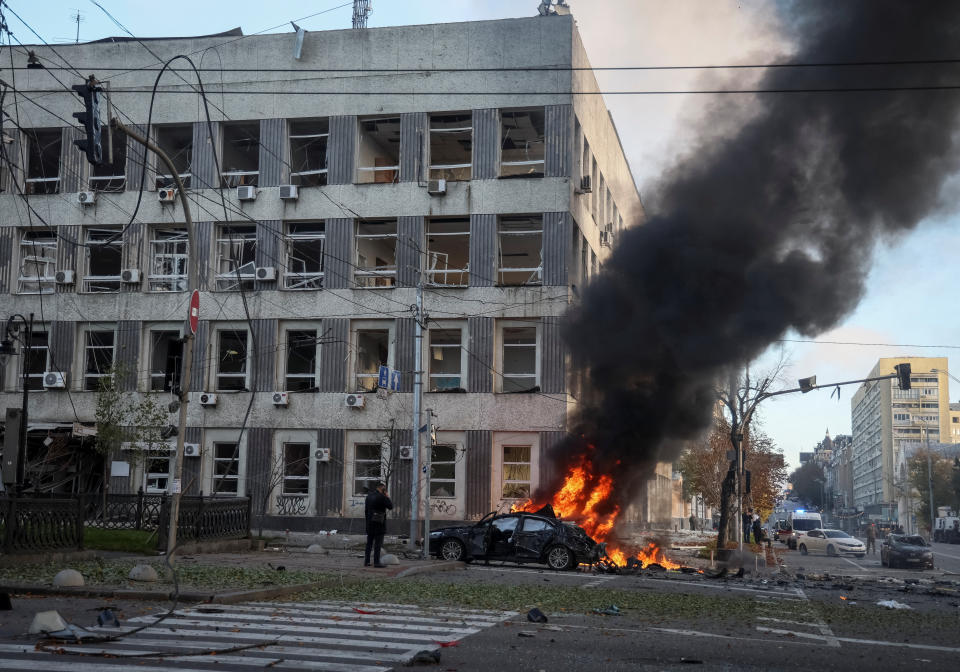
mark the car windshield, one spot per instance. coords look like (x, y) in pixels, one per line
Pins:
(836, 534)
(915, 541)
(805, 524)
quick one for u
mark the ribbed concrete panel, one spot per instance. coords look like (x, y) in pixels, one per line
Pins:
(191, 465)
(73, 162)
(273, 152)
(8, 276)
(127, 353)
(483, 250)
(553, 370)
(404, 352)
(556, 238)
(133, 254)
(259, 466)
(201, 357)
(400, 482)
(62, 337)
(269, 249)
(68, 255)
(479, 447)
(342, 149)
(338, 254)
(549, 466)
(558, 121)
(202, 164)
(136, 160)
(486, 144)
(409, 244)
(480, 354)
(330, 474)
(203, 241)
(264, 358)
(413, 129)
(333, 354)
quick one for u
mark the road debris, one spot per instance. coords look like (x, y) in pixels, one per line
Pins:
(526, 633)
(893, 604)
(536, 616)
(612, 610)
(425, 658)
(107, 618)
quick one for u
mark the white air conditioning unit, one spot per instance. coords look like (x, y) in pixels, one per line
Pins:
(247, 193)
(54, 380)
(130, 275)
(406, 452)
(167, 195)
(266, 273)
(322, 454)
(586, 186)
(605, 239)
(191, 450)
(353, 400)
(437, 187)
(86, 197)
(208, 399)
(281, 399)
(64, 277)
(288, 192)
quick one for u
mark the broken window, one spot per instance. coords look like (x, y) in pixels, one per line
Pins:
(296, 469)
(38, 262)
(522, 143)
(98, 357)
(166, 360)
(443, 471)
(241, 155)
(521, 244)
(519, 359)
(367, 467)
(43, 161)
(157, 471)
(104, 250)
(446, 360)
(177, 143)
(448, 252)
(516, 472)
(308, 152)
(301, 360)
(378, 157)
(236, 245)
(376, 254)
(305, 243)
(373, 351)
(111, 176)
(35, 360)
(168, 260)
(226, 468)
(451, 146)
(232, 356)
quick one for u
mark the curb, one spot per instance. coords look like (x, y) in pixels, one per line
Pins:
(445, 566)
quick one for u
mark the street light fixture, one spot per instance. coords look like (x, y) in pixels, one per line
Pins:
(7, 350)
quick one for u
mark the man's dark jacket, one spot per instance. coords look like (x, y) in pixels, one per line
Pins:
(376, 502)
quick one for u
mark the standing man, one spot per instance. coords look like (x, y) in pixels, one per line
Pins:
(872, 539)
(757, 532)
(693, 522)
(747, 521)
(375, 510)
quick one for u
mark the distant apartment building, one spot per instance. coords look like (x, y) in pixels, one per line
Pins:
(884, 418)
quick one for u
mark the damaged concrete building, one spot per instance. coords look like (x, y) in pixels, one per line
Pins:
(476, 158)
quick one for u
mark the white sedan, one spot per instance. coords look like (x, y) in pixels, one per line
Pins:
(831, 542)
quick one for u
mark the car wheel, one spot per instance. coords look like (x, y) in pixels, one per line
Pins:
(803, 549)
(560, 558)
(451, 549)
(831, 551)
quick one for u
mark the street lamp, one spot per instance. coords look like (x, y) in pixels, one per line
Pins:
(7, 350)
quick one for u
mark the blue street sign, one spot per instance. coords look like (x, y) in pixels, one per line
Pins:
(383, 377)
(395, 381)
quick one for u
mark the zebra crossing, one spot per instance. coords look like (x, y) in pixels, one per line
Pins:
(333, 636)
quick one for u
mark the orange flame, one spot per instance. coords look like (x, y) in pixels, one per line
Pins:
(581, 498)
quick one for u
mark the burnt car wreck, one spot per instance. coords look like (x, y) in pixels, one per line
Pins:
(520, 537)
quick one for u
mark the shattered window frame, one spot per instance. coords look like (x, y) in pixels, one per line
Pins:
(99, 355)
(306, 248)
(176, 140)
(232, 373)
(240, 152)
(34, 351)
(446, 237)
(164, 375)
(517, 343)
(295, 481)
(512, 232)
(375, 139)
(300, 340)
(446, 349)
(444, 458)
(367, 337)
(110, 177)
(169, 259)
(103, 253)
(236, 255)
(309, 140)
(226, 469)
(523, 143)
(156, 481)
(44, 146)
(516, 471)
(38, 249)
(447, 131)
(370, 456)
(378, 275)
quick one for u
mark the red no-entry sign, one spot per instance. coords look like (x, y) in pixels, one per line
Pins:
(194, 314)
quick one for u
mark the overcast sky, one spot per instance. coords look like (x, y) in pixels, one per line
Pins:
(911, 300)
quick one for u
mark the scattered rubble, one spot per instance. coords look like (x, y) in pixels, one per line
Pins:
(46, 621)
(536, 616)
(893, 604)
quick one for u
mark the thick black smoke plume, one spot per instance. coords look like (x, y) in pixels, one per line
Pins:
(768, 229)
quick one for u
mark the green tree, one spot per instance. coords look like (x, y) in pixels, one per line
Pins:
(940, 471)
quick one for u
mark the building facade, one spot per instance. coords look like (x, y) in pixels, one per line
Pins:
(420, 156)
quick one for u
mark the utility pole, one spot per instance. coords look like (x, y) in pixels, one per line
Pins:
(417, 402)
(187, 333)
(933, 515)
(427, 465)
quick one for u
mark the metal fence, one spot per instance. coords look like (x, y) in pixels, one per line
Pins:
(207, 518)
(38, 525)
(138, 511)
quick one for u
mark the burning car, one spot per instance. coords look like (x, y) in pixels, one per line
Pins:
(520, 536)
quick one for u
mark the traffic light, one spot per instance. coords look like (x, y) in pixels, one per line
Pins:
(903, 374)
(90, 118)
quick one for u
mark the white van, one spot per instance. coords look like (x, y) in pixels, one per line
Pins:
(800, 522)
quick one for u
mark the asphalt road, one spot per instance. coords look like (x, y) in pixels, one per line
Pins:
(946, 558)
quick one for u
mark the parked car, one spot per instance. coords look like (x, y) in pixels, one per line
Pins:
(800, 522)
(781, 531)
(518, 537)
(906, 550)
(831, 542)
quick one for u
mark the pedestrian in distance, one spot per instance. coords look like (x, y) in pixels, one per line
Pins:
(375, 510)
(872, 538)
(747, 522)
(693, 522)
(757, 531)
